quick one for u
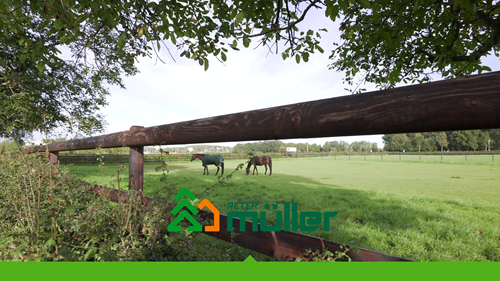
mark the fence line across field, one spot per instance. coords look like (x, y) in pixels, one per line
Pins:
(455, 156)
(466, 103)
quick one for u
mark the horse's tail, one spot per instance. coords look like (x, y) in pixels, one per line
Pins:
(222, 166)
(270, 166)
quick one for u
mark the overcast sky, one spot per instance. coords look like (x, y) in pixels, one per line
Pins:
(170, 92)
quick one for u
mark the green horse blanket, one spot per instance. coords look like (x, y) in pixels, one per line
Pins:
(216, 160)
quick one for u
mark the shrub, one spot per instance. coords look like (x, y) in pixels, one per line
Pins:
(45, 217)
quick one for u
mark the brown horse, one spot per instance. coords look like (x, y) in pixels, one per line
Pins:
(207, 159)
(259, 161)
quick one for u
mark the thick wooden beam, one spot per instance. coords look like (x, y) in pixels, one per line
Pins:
(457, 104)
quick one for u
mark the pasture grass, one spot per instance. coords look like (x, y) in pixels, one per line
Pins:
(421, 210)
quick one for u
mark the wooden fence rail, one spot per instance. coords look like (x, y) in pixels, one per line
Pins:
(124, 158)
(456, 104)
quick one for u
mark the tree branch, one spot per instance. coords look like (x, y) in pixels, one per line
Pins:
(288, 27)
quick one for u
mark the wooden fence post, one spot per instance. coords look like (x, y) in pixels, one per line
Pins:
(136, 168)
(53, 157)
(136, 165)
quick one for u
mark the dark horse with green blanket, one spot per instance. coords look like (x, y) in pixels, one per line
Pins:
(207, 159)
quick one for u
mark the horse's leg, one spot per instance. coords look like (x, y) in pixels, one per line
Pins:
(266, 169)
(205, 169)
(217, 171)
(255, 169)
(222, 166)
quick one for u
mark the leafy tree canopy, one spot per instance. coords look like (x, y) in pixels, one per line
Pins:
(383, 41)
(389, 41)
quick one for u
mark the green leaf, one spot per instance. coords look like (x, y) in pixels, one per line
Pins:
(235, 43)
(223, 56)
(240, 17)
(58, 24)
(69, 210)
(90, 254)
(18, 12)
(297, 58)
(51, 242)
(41, 66)
(121, 41)
(23, 57)
(343, 4)
(206, 64)
(305, 56)
(364, 3)
(246, 42)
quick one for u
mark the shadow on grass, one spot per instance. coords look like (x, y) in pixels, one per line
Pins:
(379, 222)
(418, 228)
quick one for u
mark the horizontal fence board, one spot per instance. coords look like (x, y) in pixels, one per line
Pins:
(282, 245)
(456, 104)
(123, 158)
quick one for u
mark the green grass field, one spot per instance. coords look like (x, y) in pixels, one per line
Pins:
(422, 210)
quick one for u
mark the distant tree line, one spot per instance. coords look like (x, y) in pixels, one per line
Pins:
(277, 146)
(451, 140)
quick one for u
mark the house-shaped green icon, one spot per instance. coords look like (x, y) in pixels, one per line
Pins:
(173, 226)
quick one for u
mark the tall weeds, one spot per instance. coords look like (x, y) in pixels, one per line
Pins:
(46, 217)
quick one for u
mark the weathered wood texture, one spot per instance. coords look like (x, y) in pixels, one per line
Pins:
(283, 245)
(53, 159)
(457, 104)
(136, 168)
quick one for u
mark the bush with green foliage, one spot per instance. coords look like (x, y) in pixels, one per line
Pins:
(45, 217)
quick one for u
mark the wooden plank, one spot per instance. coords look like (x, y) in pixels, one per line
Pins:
(456, 104)
(283, 245)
